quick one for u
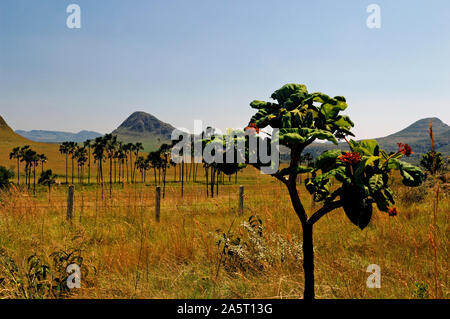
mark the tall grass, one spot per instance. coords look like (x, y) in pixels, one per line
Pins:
(130, 255)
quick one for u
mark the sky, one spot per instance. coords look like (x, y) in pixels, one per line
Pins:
(207, 60)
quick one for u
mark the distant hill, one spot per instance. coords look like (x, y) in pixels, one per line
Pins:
(57, 136)
(416, 135)
(8, 136)
(145, 128)
(10, 139)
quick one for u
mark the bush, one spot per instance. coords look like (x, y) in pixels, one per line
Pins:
(421, 291)
(414, 195)
(38, 278)
(5, 176)
(255, 251)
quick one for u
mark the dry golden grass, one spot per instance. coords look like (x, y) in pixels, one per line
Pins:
(129, 255)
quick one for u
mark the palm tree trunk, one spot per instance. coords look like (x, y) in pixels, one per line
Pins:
(34, 179)
(206, 177)
(213, 172)
(110, 176)
(164, 181)
(89, 164)
(67, 168)
(18, 173)
(182, 177)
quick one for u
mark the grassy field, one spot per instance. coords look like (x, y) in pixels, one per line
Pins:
(127, 254)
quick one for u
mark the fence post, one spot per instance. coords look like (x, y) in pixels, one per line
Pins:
(241, 200)
(70, 203)
(157, 203)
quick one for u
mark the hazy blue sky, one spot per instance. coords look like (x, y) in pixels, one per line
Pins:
(207, 59)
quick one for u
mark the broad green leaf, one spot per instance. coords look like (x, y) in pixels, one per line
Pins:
(283, 94)
(264, 105)
(357, 208)
(370, 147)
(319, 134)
(290, 136)
(381, 200)
(389, 195)
(412, 175)
(376, 182)
(327, 160)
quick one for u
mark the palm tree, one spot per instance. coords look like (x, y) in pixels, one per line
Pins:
(48, 179)
(140, 163)
(154, 158)
(137, 147)
(72, 146)
(88, 144)
(43, 159)
(81, 157)
(35, 162)
(165, 152)
(15, 154)
(64, 149)
(98, 153)
(27, 155)
(121, 157)
(127, 148)
(110, 148)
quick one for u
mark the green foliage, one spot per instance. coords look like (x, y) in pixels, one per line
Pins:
(363, 174)
(47, 178)
(38, 278)
(5, 176)
(364, 181)
(426, 161)
(421, 291)
(302, 117)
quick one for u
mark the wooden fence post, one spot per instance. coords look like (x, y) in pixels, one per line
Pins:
(158, 203)
(70, 203)
(241, 200)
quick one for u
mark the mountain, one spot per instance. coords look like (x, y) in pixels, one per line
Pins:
(10, 139)
(416, 135)
(145, 128)
(8, 136)
(58, 137)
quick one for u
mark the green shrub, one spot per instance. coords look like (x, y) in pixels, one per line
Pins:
(5, 176)
(421, 291)
(414, 195)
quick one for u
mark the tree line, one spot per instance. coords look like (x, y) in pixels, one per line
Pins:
(31, 159)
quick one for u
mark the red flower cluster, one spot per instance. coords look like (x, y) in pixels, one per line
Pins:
(405, 149)
(351, 158)
(252, 127)
(392, 211)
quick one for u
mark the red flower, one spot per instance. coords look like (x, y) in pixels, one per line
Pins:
(351, 158)
(392, 211)
(405, 149)
(252, 128)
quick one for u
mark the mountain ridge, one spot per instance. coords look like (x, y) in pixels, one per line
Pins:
(47, 136)
(145, 128)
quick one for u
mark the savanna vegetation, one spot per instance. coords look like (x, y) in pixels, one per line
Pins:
(373, 208)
